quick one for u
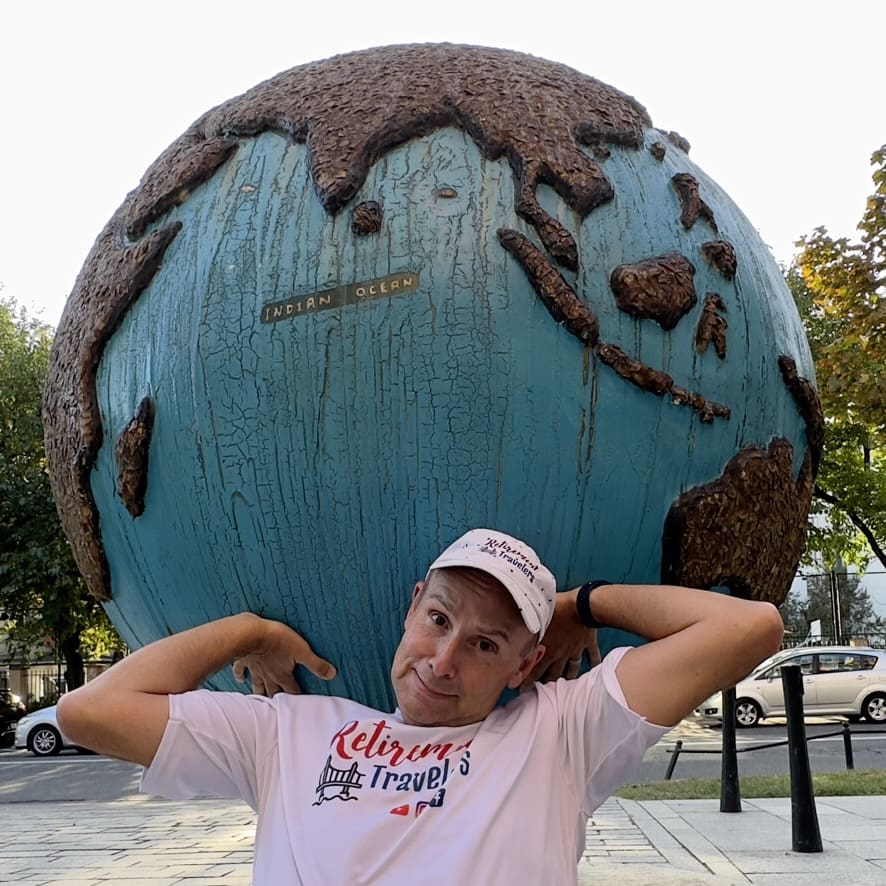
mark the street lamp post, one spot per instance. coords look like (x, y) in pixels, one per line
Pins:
(835, 601)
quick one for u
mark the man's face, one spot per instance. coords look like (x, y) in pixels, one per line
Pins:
(464, 642)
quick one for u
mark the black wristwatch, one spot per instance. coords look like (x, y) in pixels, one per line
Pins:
(583, 604)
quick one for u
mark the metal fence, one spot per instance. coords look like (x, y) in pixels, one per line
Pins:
(41, 684)
(876, 640)
(845, 731)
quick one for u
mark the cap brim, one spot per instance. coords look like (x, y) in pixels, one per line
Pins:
(532, 622)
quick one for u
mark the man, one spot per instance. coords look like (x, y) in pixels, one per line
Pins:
(451, 788)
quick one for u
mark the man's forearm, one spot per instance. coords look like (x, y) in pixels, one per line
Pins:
(183, 661)
(658, 611)
(123, 712)
(702, 641)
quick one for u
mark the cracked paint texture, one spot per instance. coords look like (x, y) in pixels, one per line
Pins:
(310, 470)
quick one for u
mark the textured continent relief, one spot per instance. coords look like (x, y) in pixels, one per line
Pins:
(551, 124)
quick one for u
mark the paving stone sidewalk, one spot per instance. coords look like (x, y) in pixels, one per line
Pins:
(618, 849)
(691, 843)
(141, 840)
(147, 841)
(138, 841)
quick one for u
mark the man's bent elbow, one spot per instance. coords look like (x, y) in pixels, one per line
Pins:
(743, 643)
(73, 717)
(768, 631)
(125, 725)
(88, 719)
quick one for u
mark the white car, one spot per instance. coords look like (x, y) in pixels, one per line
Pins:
(847, 680)
(39, 732)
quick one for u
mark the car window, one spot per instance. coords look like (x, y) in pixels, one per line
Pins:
(830, 662)
(858, 662)
(834, 662)
(762, 669)
(805, 662)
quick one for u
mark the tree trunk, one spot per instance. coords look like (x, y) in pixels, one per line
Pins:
(860, 524)
(75, 673)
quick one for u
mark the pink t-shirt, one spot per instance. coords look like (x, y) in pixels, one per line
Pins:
(348, 795)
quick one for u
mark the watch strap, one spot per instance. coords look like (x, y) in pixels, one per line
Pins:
(583, 604)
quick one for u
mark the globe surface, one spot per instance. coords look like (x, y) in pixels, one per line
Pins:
(333, 328)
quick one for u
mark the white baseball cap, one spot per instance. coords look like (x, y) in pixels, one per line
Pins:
(513, 563)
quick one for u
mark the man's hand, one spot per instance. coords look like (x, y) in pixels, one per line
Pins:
(566, 642)
(271, 667)
(123, 713)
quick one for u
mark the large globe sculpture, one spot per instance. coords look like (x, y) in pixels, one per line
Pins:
(389, 296)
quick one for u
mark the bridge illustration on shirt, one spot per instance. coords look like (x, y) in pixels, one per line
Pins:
(337, 784)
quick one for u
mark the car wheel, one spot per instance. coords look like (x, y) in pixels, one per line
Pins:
(44, 741)
(874, 708)
(747, 713)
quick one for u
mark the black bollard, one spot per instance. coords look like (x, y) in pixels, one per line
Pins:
(804, 817)
(673, 761)
(730, 790)
(847, 746)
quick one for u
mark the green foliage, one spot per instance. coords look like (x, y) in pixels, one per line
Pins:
(839, 287)
(99, 639)
(849, 783)
(793, 614)
(42, 595)
(856, 607)
(847, 282)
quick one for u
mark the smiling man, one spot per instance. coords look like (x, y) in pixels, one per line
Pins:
(464, 641)
(451, 787)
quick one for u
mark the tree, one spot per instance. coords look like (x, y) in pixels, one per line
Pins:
(840, 290)
(858, 618)
(848, 282)
(793, 614)
(42, 597)
(857, 615)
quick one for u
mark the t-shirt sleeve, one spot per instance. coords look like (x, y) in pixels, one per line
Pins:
(213, 746)
(604, 740)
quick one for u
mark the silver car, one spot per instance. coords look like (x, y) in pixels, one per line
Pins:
(39, 732)
(847, 680)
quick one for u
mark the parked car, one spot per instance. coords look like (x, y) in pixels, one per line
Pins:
(11, 711)
(847, 680)
(39, 732)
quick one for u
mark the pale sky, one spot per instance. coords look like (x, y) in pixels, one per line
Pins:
(783, 105)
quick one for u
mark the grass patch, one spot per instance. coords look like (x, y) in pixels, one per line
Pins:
(848, 783)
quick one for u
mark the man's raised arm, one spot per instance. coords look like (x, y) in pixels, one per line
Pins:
(123, 712)
(701, 642)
